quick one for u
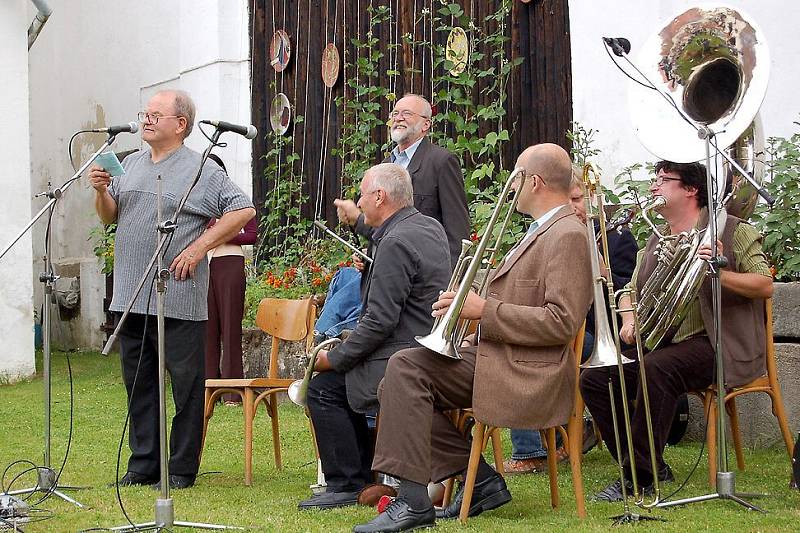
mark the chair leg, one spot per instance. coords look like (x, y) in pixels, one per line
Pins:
(249, 414)
(711, 438)
(497, 449)
(733, 417)
(780, 414)
(272, 406)
(448, 491)
(552, 468)
(208, 411)
(472, 470)
(575, 431)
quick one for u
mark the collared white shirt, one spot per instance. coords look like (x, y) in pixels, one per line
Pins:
(536, 224)
(404, 158)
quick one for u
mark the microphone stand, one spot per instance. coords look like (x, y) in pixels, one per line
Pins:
(164, 509)
(726, 480)
(47, 479)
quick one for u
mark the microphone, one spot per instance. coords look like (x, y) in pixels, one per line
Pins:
(248, 132)
(619, 45)
(130, 127)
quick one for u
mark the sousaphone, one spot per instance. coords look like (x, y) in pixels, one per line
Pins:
(714, 63)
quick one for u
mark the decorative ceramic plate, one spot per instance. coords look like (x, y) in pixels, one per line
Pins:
(280, 114)
(457, 50)
(280, 50)
(330, 65)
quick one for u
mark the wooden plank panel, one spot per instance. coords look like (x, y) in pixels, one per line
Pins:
(538, 106)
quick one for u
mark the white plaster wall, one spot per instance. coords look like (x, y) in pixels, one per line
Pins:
(16, 289)
(600, 90)
(95, 65)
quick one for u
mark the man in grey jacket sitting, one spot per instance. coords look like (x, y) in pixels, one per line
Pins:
(411, 265)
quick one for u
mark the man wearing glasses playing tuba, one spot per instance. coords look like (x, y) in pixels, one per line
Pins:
(684, 360)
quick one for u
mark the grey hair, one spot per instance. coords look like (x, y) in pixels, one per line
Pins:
(184, 107)
(428, 110)
(396, 181)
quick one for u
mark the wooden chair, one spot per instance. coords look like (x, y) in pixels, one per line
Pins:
(284, 320)
(574, 442)
(768, 384)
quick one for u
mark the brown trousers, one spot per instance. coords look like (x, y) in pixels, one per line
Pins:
(226, 286)
(416, 440)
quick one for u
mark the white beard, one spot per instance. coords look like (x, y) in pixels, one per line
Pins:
(400, 135)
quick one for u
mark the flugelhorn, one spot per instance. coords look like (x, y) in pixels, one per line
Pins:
(298, 390)
(446, 335)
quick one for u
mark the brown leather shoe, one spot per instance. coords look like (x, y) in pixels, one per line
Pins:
(525, 466)
(370, 494)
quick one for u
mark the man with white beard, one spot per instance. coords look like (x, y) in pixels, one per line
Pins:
(435, 174)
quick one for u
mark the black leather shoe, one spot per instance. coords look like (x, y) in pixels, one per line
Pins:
(177, 481)
(131, 479)
(398, 517)
(329, 500)
(488, 494)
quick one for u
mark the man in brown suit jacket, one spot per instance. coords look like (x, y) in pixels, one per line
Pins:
(517, 372)
(685, 360)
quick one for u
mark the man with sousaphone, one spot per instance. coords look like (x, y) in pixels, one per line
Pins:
(521, 356)
(684, 360)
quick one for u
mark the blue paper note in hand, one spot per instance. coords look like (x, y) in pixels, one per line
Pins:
(109, 162)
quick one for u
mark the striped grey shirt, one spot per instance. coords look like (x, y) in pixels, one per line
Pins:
(135, 193)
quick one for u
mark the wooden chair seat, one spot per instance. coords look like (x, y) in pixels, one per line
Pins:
(768, 384)
(284, 320)
(482, 433)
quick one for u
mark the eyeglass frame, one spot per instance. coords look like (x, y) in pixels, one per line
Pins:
(405, 114)
(658, 181)
(145, 117)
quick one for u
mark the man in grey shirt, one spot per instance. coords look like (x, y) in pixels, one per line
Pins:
(130, 201)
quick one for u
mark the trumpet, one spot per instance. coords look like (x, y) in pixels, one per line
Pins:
(446, 333)
(298, 390)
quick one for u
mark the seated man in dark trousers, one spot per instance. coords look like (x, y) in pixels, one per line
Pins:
(518, 371)
(684, 361)
(410, 266)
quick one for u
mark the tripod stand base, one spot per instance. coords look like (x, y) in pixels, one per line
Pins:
(726, 490)
(165, 519)
(47, 483)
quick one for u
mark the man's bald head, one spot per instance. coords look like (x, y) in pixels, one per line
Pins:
(549, 161)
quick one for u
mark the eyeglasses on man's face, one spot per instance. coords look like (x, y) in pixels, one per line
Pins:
(405, 114)
(658, 181)
(153, 118)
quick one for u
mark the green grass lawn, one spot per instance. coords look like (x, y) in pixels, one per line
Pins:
(271, 503)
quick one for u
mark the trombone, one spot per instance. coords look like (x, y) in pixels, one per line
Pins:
(447, 331)
(607, 350)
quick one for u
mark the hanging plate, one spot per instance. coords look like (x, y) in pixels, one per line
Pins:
(330, 65)
(280, 50)
(457, 50)
(280, 114)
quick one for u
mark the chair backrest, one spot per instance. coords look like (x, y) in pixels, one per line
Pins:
(286, 320)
